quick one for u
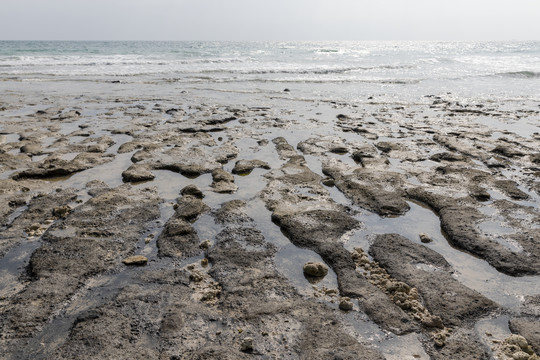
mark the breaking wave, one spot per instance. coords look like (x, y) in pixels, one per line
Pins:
(521, 74)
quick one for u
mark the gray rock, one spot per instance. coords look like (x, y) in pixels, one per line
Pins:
(232, 212)
(529, 328)
(425, 238)
(479, 193)
(56, 167)
(459, 221)
(510, 188)
(448, 156)
(345, 304)
(244, 167)
(189, 207)
(88, 242)
(508, 151)
(443, 295)
(317, 223)
(460, 344)
(192, 190)
(136, 260)
(247, 344)
(137, 173)
(223, 182)
(315, 269)
(31, 149)
(178, 239)
(375, 190)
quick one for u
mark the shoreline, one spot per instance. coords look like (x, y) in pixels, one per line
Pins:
(88, 181)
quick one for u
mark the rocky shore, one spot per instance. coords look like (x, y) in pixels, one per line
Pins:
(178, 228)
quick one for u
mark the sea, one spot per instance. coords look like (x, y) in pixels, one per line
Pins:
(330, 71)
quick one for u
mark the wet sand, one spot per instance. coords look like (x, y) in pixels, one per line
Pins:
(425, 214)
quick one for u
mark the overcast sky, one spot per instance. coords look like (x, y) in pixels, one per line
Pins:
(269, 20)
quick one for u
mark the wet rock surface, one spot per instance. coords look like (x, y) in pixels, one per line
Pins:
(375, 190)
(178, 228)
(56, 167)
(318, 223)
(89, 241)
(460, 220)
(178, 238)
(425, 269)
(244, 167)
(529, 328)
(315, 269)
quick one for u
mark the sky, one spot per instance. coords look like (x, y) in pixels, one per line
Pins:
(269, 20)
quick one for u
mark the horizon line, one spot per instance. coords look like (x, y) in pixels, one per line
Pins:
(304, 40)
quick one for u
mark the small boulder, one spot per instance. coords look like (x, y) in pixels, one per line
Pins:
(31, 149)
(425, 238)
(315, 269)
(136, 260)
(440, 339)
(328, 182)
(62, 211)
(340, 150)
(432, 321)
(517, 340)
(507, 151)
(205, 244)
(448, 156)
(223, 182)
(244, 167)
(479, 193)
(137, 173)
(97, 148)
(346, 304)
(193, 191)
(246, 345)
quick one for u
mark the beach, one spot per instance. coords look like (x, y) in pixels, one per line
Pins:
(170, 213)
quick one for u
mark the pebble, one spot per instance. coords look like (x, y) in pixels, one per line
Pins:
(425, 238)
(432, 321)
(328, 182)
(135, 260)
(345, 304)
(246, 345)
(439, 339)
(205, 244)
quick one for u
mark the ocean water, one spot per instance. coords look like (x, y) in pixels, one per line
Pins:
(341, 71)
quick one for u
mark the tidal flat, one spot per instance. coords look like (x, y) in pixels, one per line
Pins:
(145, 223)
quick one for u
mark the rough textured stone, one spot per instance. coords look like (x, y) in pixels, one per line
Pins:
(315, 269)
(135, 260)
(137, 173)
(443, 295)
(318, 223)
(244, 167)
(528, 328)
(107, 226)
(192, 190)
(375, 190)
(56, 167)
(460, 219)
